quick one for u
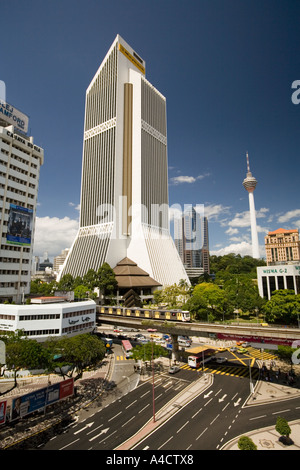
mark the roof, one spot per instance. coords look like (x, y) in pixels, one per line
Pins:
(283, 230)
(129, 275)
(200, 349)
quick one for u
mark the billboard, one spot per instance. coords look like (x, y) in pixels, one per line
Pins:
(13, 116)
(19, 228)
(39, 399)
(3, 406)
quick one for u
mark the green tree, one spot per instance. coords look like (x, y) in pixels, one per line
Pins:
(90, 279)
(207, 299)
(81, 292)
(282, 307)
(106, 280)
(66, 283)
(242, 293)
(24, 353)
(283, 428)
(144, 351)
(77, 353)
(246, 443)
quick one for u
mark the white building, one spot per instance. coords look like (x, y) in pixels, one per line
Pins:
(270, 278)
(124, 188)
(53, 318)
(20, 161)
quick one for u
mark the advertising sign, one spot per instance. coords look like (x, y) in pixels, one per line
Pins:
(3, 406)
(13, 116)
(39, 399)
(19, 227)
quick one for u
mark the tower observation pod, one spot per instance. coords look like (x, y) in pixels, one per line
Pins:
(249, 184)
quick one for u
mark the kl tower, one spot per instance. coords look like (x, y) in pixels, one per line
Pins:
(249, 184)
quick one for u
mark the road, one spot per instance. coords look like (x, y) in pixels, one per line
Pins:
(119, 420)
(207, 423)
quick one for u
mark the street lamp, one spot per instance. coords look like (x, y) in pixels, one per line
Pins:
(153, 397)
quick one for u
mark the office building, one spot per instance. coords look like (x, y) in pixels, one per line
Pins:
(49, 317)
(282, 247)
(249, 184)
(191, 240)
(59, 260)
(271, 278)
(124, 186)
(20, 162)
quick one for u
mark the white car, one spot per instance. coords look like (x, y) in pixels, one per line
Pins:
(174, 369)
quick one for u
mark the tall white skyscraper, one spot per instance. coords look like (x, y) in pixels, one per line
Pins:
(249, 184)
(124, 187)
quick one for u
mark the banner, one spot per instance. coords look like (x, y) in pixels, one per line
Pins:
(19, 227)
(39, 399)
(3, 406)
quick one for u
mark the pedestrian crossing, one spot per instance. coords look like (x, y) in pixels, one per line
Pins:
(262, 355)
(233, 371)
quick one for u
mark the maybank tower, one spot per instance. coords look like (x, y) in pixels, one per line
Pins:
(124, 208)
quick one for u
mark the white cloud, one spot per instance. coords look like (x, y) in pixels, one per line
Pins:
(187, 179)
(289, 215)
(232, 231)
(214, 211)
(53, 235)
(242, 248)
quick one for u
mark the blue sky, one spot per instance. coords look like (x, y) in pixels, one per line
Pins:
(226, 68)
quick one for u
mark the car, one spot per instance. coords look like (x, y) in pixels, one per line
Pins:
(242, 350)
(220, 360)
(245, 345)
(222, 349)
(174, 369)
(152, 330)
(233, 349)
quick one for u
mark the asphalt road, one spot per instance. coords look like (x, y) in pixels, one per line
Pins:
(118, 421)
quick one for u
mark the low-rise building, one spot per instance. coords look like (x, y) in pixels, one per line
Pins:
(49, 317)
(271, 278)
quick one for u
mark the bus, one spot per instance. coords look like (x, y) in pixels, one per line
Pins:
(199, 356)
(127, 347)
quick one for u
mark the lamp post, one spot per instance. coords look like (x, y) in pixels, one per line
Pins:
(153, 396)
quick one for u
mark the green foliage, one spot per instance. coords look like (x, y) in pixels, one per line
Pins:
(24, 353)
(106, 279)
(76, 352)
(235, 264)
(173, 296)
(282, 427)
(246, 443)
(282, 307)
(144, 352)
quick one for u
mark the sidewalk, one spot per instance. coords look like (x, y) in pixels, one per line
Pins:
(88, 389)
(267, 438)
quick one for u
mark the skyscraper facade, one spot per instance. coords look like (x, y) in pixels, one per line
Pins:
(191, 240)
(124, 187)
(20, 162)
(249, 184)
